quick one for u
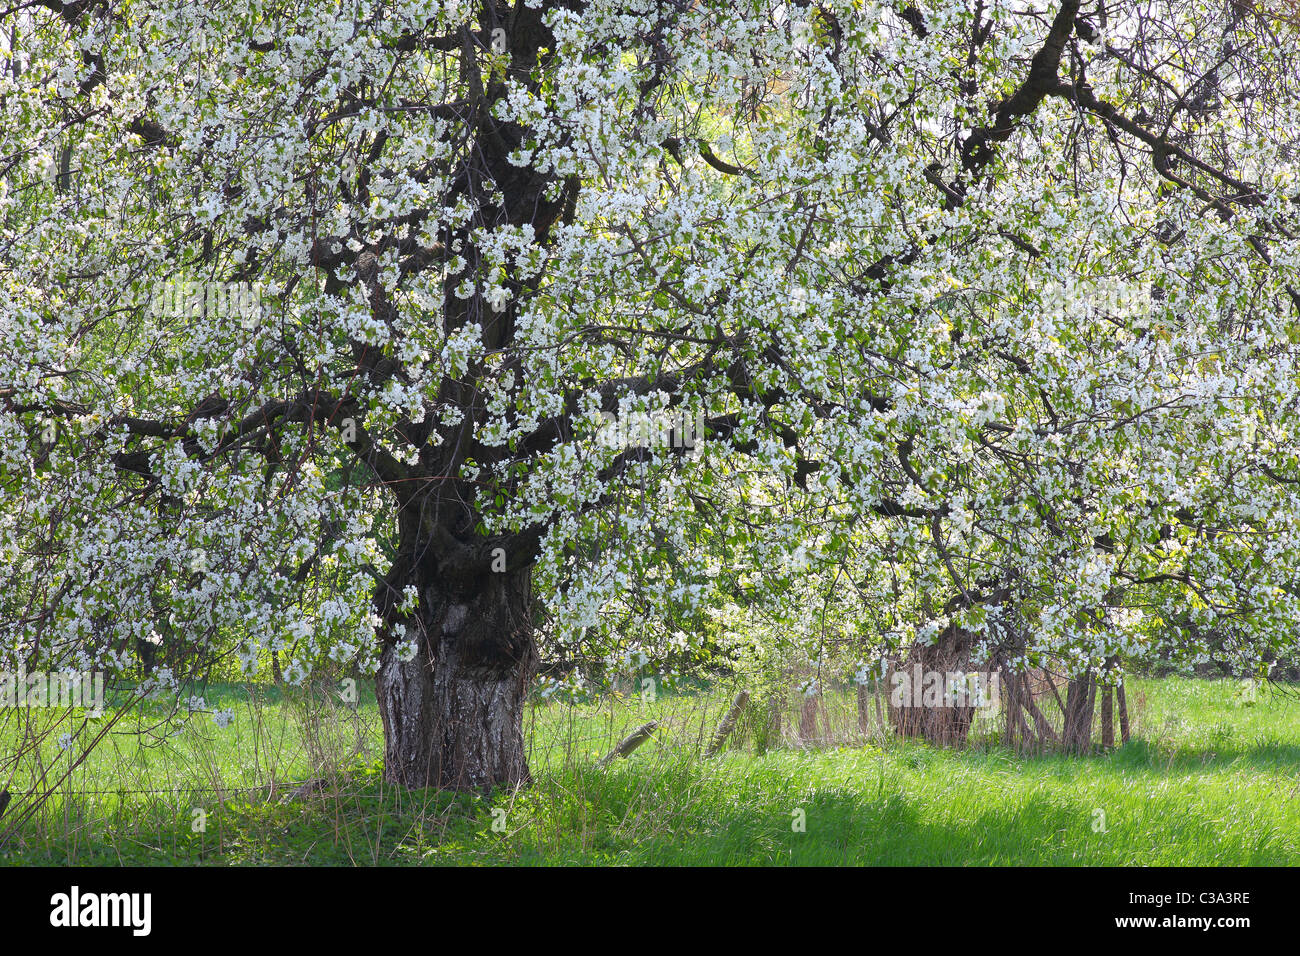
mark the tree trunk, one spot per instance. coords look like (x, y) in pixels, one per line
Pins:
(880, 715)
(774, 728)
(1046, 734)
(808, 720)
(1122, 705)
(453, 714)
(1107, 720)
(1018, 694)
(148, 655)
(1076, 735)
(917, 703)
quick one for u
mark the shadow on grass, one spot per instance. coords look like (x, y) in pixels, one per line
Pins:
(905, 805)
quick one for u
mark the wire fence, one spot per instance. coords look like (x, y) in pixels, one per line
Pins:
(795, 713)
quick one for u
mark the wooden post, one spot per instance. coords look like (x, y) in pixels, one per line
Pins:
(1123, 714)
(629, 743)
(728, 723)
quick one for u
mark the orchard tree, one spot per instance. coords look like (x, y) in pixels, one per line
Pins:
(318, 319)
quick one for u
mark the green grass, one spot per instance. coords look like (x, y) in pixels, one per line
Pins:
(1207, 779)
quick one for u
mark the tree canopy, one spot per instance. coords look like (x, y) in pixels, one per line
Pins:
(312, 316)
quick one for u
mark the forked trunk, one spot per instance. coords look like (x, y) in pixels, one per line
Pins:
(453, 714)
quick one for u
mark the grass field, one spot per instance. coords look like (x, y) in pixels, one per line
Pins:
(1208, 778)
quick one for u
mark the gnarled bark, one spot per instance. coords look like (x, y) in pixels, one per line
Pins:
(453, 713)
(911, 716)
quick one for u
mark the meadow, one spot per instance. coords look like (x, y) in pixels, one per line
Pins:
(1210, 777)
